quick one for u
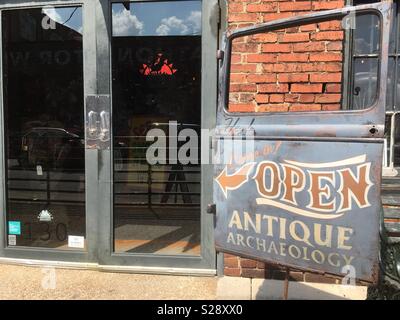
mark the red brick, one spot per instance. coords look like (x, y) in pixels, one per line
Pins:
(314, 88)
(243, 17)
(292, 77)
(330, 25)
(232, 272)
(328, 35)
(253, 273)
(243, 88)
(277, 47)
(303, 98)
(231, 262)
(236, 7)
(273, 108)
(294, 37)
(276, 98)
(263, 7)
(262, 98)
(327, 98)
(333, 88)
(326, 77)
(309, 47)
(243, 68)
(293, 57)
(275, 16)
(328, 67)
(236, 58)
(326, 56)
(247, 97)
(238, 78)
(241, 107)
(334, 46)
(292, 67)
(265, 38)
(308, 27)
(247, 263)
(261, 78)
(272, 88)
(326, 5)
(305, 107)
(331, 107)
(295, 6)
(261, 58)
(245, 47)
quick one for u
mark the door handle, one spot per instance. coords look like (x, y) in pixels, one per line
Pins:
(104, 126)
(92, 124)
(98, 123)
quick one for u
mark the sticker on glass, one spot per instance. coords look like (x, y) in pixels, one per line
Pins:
(12, 240)
(45, 216)
(76, 242)
(14, 227)
(39, 170)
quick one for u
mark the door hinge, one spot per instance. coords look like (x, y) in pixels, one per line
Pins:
(212, 208)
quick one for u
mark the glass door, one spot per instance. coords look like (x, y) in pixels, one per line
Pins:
(45, 76)
(159, 108)
(90, 90)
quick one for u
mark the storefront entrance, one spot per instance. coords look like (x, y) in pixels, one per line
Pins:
(99, 99)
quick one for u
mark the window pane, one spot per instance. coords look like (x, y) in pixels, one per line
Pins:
(44, 135)
(365, 82)
(156, 71)
(386, 150)
(366, 34)
(396, 146)
(169, 18)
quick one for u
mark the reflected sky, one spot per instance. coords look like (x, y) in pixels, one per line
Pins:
(173, 18)
(68, 16)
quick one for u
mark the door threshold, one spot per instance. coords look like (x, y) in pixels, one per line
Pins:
(109, 268)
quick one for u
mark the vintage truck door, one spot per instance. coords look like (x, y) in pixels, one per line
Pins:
(299, 141)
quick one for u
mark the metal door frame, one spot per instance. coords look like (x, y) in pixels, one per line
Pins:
(98, 161)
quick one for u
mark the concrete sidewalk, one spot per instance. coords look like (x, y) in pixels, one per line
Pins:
(21, 282)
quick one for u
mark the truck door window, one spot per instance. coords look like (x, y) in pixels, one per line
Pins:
(300, 68)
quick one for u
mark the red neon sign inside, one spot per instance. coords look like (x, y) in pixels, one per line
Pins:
(159, 67)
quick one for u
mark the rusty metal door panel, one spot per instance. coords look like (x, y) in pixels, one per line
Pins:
(288, 226)
(306, 193)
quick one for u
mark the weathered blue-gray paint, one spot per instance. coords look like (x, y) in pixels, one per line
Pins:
(364, 222)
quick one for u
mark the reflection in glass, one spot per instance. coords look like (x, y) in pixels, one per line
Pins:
(156, 71)
(366, 34)
(396, 143)
(169, 18)
(44, 134)
(365, 82)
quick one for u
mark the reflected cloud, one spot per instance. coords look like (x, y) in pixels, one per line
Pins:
(173, 25)
(126, 24)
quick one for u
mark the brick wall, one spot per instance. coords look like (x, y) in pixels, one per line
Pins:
(297, 69)
(294, 69)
